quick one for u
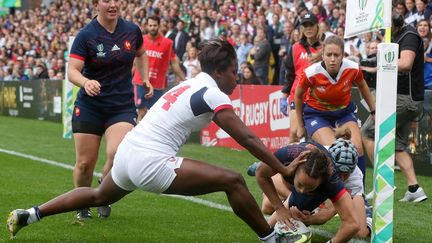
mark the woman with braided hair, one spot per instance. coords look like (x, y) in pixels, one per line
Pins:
(334, 176)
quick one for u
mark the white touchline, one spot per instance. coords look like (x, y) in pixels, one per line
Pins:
(188, 198)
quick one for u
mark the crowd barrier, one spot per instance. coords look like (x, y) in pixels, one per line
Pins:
(39, 99)
(256, 105)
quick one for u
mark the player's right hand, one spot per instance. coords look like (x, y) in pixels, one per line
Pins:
(148, 86)
(283, 215)
(92, 87)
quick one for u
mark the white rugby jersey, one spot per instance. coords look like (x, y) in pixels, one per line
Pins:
(354, 183)
(187, 107)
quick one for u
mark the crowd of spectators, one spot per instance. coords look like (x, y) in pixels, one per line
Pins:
(33, 43)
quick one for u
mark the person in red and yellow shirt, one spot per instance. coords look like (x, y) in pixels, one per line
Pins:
(160, 52)
(327, 102)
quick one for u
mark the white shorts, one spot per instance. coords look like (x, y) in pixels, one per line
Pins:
(138, 168)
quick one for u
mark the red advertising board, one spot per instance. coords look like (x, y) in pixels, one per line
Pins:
(258, 106)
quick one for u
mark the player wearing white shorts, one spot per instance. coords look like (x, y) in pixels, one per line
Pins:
(146, 158)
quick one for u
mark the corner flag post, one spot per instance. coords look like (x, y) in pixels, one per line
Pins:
(364, 16)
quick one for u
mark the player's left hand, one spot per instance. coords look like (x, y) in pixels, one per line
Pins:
(149, 86)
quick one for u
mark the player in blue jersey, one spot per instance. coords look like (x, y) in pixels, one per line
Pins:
(100, 63)
(147, 157)
(338, 179)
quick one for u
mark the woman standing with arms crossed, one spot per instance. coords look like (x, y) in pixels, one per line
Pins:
(100, 63)
(327, 103)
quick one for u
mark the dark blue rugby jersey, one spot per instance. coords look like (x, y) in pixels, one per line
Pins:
(108, 59)
(333, 188)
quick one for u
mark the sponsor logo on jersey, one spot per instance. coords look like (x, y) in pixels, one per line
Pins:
(321, 89)
(100, 49)
(155, 54)
(304, 55)
(127, 45)
(115, 48)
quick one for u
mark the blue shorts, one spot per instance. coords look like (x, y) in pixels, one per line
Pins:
(316, 119)
(142, 102)
(95, 120)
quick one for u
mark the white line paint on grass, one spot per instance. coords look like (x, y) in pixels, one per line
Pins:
(188, 198)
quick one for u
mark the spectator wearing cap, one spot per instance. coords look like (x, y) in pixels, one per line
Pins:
(297, 60)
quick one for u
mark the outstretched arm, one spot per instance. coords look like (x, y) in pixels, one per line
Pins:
(231, 123)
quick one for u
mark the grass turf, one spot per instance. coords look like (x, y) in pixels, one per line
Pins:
(141, 216)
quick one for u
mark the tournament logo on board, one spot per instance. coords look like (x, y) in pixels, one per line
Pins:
(362, 4)
(389, 56)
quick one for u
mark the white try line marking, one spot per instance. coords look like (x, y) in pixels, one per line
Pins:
(188, 198)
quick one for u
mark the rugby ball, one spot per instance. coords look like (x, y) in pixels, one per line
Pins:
(286, 235)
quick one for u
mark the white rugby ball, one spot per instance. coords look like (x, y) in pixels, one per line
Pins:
(287, 235)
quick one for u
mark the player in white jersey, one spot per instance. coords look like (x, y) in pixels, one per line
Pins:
(146, 158)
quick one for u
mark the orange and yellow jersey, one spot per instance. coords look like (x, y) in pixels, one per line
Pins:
(326, 93)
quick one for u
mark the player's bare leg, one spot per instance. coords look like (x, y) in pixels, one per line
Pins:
(83, 197)
(197, 178)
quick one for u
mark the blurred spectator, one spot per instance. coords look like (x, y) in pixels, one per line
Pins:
(249, 76)
(400, 7)
(410, 15)
(181, 39)
(424, 30)
(42, 34)
(191, 62)
(243, 48)
(423, 12)
(260, 54)
(368, 65)
(284, 46)
(205, 31)
(41, 72)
